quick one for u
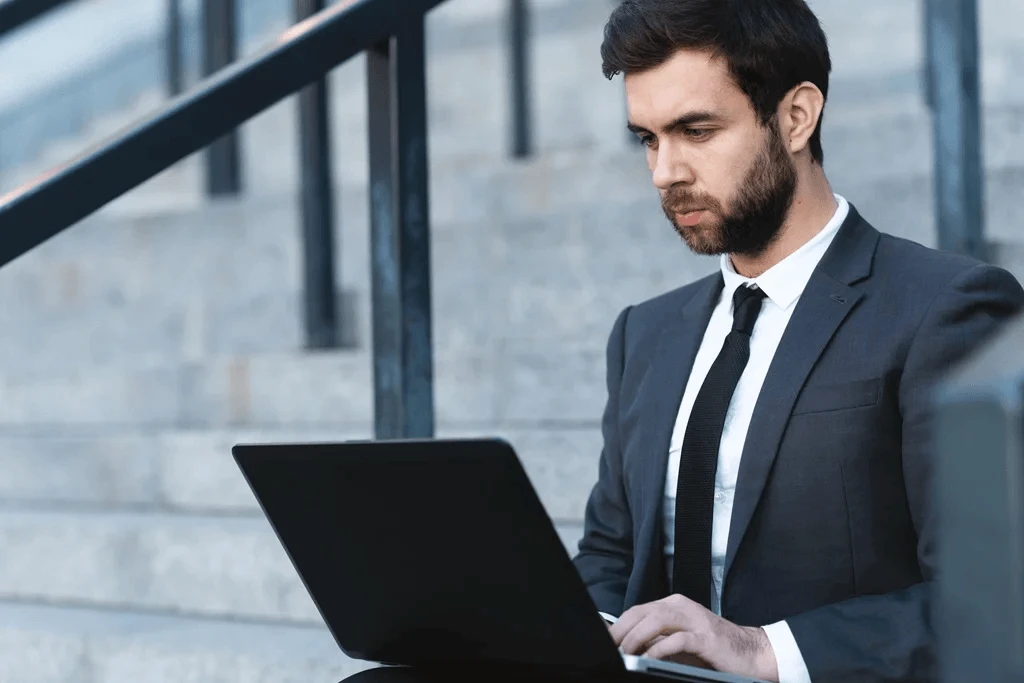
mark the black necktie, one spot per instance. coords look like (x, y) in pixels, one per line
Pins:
(698, 461)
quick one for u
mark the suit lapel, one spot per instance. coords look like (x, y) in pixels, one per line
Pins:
(664, 385)
(824, 304)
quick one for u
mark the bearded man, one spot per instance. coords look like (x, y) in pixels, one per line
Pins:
(764, 504)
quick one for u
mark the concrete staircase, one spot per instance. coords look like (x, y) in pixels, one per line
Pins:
(146, 341)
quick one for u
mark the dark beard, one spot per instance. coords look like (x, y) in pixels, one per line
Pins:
(760, 209)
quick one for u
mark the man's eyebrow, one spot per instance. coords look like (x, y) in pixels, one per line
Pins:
(681, 122)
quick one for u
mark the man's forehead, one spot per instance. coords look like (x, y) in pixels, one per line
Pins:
(688, 81)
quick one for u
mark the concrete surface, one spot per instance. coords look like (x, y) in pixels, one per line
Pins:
(52, 644)
(141, 344)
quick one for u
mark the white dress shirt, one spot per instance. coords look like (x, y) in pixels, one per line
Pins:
(783, 284)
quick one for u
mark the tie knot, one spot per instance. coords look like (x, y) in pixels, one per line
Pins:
(746, 305)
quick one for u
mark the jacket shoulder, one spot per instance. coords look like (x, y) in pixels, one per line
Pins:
(909, 258)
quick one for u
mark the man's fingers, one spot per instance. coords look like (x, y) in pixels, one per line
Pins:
(674, 613)
(679, 646)
(640, 637)
(627, 621)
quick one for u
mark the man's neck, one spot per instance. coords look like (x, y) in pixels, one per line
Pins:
(813, 206)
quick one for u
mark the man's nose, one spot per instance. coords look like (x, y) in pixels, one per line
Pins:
(671, 167)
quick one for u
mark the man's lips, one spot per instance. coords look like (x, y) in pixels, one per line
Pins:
(689, 218)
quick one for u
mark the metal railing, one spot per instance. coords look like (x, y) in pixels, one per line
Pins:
(220, 48)
(954, 95)
(222, 159)
(17, 13)
(318, 212)
(392, 32)
(520, 133)
(172, 50)
(203, 119)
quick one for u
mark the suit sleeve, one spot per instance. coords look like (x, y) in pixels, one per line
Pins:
(605, 557)
(890, 637)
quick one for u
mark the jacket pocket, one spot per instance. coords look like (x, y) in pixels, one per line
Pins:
(827, 397)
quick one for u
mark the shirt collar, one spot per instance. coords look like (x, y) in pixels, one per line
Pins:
(784, 282)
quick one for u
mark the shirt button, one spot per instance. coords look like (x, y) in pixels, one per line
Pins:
(719, 497)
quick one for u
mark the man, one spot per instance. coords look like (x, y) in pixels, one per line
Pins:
(763, 503)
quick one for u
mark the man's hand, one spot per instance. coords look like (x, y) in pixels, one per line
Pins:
(680, 630)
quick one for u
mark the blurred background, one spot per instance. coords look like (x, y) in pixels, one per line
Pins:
(139, 346)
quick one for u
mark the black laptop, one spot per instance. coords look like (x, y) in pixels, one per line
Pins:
(436, 554)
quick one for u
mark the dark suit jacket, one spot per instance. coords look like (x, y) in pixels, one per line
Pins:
(833, 527)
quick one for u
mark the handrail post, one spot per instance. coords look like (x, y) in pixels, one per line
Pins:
(317, 189)
(223, 159)
(927, 72)
(519, 75)
(400, 236)
(956, 121)
(175, 79)
(413, 210)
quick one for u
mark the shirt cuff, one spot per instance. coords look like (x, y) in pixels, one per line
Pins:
(792, 668)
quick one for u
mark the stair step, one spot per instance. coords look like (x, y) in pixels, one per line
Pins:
(55, 644)
(193, 472)
(219, 566)
(516, 380)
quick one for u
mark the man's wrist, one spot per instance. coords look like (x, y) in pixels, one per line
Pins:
(766, 667)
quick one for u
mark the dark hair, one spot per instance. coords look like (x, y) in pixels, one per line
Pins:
(769, 45)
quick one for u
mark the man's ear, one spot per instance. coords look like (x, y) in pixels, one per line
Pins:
(799, 114)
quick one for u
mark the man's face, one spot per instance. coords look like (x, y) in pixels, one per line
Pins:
(726, 182)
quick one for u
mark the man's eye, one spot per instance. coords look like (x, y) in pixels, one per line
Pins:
(646, 140)
(697, 133)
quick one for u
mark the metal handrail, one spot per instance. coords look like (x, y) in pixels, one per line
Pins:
(16, 13)
(46, 205)
(392, 33)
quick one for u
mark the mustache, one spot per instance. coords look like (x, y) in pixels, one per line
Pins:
(682, 201)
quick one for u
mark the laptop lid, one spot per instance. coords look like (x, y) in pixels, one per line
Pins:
(429, 552)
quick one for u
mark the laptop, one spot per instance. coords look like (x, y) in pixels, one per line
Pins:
(436, 554)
